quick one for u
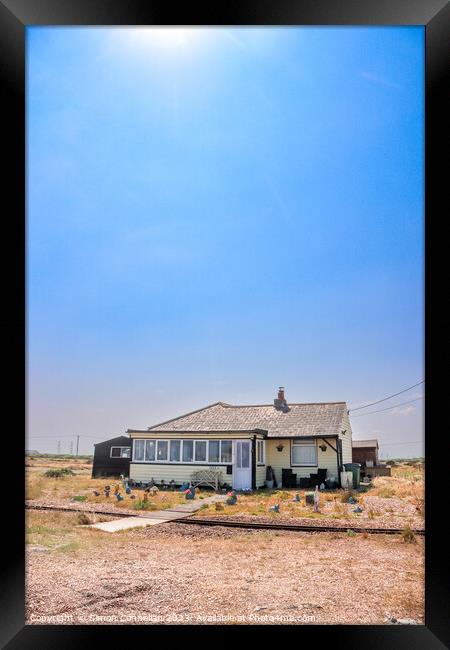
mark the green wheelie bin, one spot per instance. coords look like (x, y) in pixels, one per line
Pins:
(355, 469)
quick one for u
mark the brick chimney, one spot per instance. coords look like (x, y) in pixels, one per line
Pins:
(280, 401)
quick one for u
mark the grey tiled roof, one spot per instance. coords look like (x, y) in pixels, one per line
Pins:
(299, 420)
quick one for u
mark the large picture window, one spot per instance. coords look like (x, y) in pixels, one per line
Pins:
(304, 452)
(175, 451)
(214, 451)
(184, 451)
(188, 451)
(200, 451)
(150, 450)
(162, 450)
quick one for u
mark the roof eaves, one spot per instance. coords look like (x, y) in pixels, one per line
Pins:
(206, 431)
(245, 406)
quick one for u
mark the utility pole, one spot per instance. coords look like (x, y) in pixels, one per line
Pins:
(78, 440)
(71, 447)
(58, 447)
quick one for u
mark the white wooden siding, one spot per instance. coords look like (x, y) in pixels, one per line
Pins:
(261, 474)
(346, 439)
(176, 472)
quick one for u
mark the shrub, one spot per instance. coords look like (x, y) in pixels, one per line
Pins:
(346, 494)
(83, 519)
(79, 497)
(386, 492)
(350, 532)
(144, 504)
(33, 490)
(59, 473)
(408, 535)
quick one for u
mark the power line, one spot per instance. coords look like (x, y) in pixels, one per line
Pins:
(408, 442)
(388, 397)
(52, 437)
(389, 407)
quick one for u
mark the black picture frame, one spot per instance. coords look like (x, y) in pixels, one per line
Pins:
(15, 16)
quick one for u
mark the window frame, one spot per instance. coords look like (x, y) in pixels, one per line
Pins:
(304, 443)
(145, 450)
(206, 443)
(260, 446)
(181, 461)
(180, 455)
(219, 442)
(231, 461)
(119, 447)
(187, 462)
(161, 460)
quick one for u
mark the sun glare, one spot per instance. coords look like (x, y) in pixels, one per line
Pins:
(164, 37)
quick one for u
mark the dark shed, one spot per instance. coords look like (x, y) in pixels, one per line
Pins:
(365, 451)
(112, 457)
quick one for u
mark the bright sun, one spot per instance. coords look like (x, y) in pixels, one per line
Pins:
(165, 37)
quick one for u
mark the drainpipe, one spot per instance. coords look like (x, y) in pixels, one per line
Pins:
(339, 459)
(254, 462)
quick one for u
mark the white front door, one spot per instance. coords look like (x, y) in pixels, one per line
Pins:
(242, 465)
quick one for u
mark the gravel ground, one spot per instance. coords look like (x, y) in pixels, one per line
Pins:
(173, 573)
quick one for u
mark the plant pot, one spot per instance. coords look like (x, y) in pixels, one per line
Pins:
(269, 484)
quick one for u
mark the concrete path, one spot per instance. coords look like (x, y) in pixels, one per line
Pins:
(128, 522)
(158, 516)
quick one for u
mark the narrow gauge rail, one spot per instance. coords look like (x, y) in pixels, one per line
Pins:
(242, 524)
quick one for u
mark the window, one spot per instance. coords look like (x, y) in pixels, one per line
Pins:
(139, 448)
(180, 451)
(188, 451)
(200, 451)
(304, 452)
(214, 451)
(225, 451)
(162, 449)
(150, 450)
(175, 450)
(260, 449)
(120, 452)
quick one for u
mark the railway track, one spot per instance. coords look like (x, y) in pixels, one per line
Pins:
(254, 525)
(295, 527)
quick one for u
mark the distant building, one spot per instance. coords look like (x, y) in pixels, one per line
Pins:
(112, 457)
(365, 452)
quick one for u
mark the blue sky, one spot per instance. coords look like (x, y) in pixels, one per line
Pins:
(213, 213)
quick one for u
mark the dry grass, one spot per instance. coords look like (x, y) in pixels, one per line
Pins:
(60, 531)
(408, 536)
(407, 483)
(38, 463)
(387, 498)
(65, 488)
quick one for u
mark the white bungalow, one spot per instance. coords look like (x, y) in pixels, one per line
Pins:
(241, 441)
